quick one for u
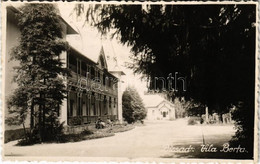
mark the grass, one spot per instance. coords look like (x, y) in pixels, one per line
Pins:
(11, 135)
(84, 135)
(121, 128)
(97, 133)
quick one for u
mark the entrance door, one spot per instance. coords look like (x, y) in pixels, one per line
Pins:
(164, 114)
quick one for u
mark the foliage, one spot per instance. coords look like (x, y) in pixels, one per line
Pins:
(39, 74)
(179, 109)
(194, 120)
(196, 110)
(244, 135)
(11, 135)
(133, 107)
(87, 132)
(212, 46)
(100, 133)
(187, 108)
(198, 41)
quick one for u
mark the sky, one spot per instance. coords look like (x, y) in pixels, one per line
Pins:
(90, 36)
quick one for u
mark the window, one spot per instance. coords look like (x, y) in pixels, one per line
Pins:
(110, 102)
(92, 72)
(72, 63)
(88, 72)
(84, 108)
(93, 102)
(84, 69)
(100, 105)
(79, 106)
(78, 66)
(98, 75)
(109, 82)
(104, 80)
(71, 108)
(114, 102)
(88, 105)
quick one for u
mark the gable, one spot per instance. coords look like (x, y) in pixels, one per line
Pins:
(165, 103)
(102, 63)
(165, 106)
(156, 101)
(152, 100)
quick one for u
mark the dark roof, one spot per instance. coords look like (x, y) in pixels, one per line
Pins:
(70, 29)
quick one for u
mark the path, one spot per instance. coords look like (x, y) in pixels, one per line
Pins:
(150, 140)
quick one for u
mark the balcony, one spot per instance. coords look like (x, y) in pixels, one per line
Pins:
(88, 84)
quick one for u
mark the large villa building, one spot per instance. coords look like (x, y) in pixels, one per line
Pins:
(94, 84)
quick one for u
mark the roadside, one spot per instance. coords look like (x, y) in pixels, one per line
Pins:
(151, 140)
(92, 133)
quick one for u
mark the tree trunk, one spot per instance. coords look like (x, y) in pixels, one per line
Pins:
(25, 134)
(32, 116)
(43, 113)
(40, 122)
(43, 123)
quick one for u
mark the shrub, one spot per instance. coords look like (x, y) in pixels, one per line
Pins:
(87, 132)
(11, 135)
(85, 135)
(133, 107)
(244, 136)
(193, 120)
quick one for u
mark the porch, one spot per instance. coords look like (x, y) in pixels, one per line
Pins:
(84, 120)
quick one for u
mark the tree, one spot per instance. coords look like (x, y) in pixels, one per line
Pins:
(133, 107)
(212, 46)
(39, 74)
(184, 108)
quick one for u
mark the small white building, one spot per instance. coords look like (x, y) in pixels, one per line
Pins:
(159, 108)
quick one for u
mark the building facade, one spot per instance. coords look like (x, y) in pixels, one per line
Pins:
(159, 108)
(93, 88)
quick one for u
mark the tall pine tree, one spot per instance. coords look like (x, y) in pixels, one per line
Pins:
(39, 74)
(212, 46)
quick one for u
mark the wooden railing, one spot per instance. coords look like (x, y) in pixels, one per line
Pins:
(81, 120)
(88, 83)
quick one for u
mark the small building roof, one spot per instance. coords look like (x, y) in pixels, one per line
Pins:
(154, 100)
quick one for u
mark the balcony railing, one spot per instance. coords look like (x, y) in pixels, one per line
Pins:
(87, 83)
(82, 120)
